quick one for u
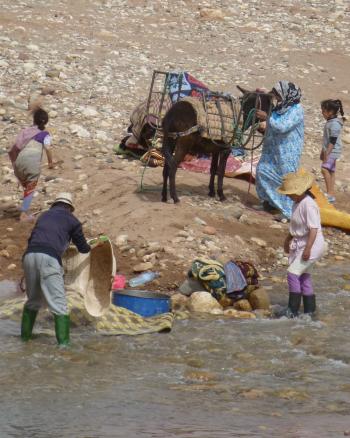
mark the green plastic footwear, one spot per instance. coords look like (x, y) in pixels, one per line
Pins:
(62, 324)
(28, 320)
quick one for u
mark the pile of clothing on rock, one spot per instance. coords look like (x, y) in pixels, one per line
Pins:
(228, 282)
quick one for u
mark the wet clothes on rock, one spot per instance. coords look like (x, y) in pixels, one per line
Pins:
(281, 152)
(235, 280)
(212, 275)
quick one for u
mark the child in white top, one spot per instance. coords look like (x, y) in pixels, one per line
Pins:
(304, 243)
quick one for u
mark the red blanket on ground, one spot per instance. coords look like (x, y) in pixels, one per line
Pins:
(235, 166)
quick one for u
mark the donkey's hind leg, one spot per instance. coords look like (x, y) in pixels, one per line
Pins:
(168, 150)
(180, 152)
(223, 156)
(165, 182)
(213, 171)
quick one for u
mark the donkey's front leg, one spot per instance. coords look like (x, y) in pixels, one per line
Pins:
(213, 170)
(223, 156)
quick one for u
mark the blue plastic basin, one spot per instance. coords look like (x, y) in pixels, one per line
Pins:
(142, 302)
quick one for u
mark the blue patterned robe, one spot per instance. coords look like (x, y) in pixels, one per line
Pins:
(281, 154)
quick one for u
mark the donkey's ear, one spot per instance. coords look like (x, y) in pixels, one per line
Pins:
(242, 90)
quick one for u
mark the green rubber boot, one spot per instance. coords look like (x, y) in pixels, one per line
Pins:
(62, 329)
(28, 320)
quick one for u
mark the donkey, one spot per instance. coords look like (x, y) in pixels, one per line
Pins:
(180, 118)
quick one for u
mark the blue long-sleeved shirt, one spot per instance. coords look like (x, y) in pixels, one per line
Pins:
(53, 232)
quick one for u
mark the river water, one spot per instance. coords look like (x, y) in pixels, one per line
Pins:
(208, 378)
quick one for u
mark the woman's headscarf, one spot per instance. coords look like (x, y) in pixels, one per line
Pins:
(289, 93)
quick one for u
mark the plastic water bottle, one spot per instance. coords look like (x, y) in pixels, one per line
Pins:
(143, 278)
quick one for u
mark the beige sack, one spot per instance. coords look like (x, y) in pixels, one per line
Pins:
(91, 275)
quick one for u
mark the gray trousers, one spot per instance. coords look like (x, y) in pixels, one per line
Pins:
(44, 283)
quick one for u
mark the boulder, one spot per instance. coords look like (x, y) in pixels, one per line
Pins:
(233, 313)
(203, 302)
(79, 131)
(154, 247)
(199, 221)
(216, 312)
(259, 299)
(259, 241)
(243, 305)
(189, 286)
(45, 91)
(211, 231)
(142, 267)
(53, 73)
(4, 253)
(178, 302)
(121, 240)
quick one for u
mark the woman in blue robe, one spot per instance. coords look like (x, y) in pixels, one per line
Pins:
(282, 147)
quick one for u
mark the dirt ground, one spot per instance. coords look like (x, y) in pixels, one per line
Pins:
(107, 67)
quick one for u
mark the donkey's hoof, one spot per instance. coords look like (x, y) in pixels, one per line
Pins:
(176, 200)
(164, 199)
(211, 194)
(222, 198)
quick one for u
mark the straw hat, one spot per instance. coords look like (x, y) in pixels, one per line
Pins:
(64, 197)
(296, 183)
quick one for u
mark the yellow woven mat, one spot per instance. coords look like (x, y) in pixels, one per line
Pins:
(116, 321)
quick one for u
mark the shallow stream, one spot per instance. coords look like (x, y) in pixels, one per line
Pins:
(208, 378)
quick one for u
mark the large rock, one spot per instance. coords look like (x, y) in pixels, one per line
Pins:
(209, 230)
(203, 302)
(259, 299)
(53, 73)
(121, 240)
(79, 131)
(179, 302)
(243, 305)
(89, 111)
(233, 313)
(142, 267)
(189, 286)
(259, 241)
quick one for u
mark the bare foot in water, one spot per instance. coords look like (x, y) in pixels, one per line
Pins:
(24, 217)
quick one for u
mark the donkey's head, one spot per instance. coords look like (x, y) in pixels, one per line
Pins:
(258, 99)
